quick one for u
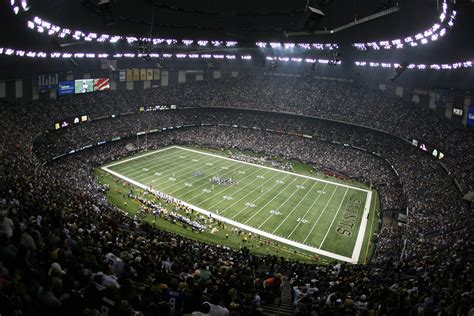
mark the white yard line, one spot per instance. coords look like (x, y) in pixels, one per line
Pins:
(281, 205)
(362, 228)
(151, 163)
(251, 192)
(370, 230)
(234, 193)
(136, 168)
(180, 168)
(240, 225)
(309, 209)
(263, 207)
(333, 219)
(294, 208)
(227, 188)
(140, 164)
(183, 170)
(267, 191)
(204, 184)
(140, 156)
(278, 170)
(320, 215)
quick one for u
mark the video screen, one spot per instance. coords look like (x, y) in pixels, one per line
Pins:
(84, 86)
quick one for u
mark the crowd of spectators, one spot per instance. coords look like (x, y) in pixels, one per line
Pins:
(304, 94)
(65, 250)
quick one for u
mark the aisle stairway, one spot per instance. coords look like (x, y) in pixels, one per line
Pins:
(281, 306)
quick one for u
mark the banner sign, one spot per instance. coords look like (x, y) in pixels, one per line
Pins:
(102, 84)
(129, 75)
(122, 75)
(470, 116)
(156, 74)
(142, 74)
(66, 87)
(136, 74)
(149, 74)
(47, 82)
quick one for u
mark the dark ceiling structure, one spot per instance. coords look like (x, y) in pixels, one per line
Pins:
(246, 21)
(238, 19)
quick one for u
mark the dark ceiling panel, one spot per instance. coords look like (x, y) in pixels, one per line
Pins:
(236, 18)
(417, 15)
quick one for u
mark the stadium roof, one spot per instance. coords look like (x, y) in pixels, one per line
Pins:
(244, 21)
(241, 19)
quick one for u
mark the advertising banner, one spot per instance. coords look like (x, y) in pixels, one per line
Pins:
(47, 82)
(129, 75)
(156, 74)
(136, 74)
(143, 74)
(102, 84)
(66, 87)
(470, 116)
(149, 74)
(122, 75)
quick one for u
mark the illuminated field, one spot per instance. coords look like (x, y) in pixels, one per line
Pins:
(317, 215)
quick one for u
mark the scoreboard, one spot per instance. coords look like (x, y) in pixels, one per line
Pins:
(83, 86)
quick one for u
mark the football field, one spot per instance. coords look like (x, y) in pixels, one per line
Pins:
(310, 213)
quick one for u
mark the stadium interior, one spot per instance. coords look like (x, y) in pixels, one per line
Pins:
(305, 157)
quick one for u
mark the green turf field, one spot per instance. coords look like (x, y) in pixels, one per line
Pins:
(313, 214)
